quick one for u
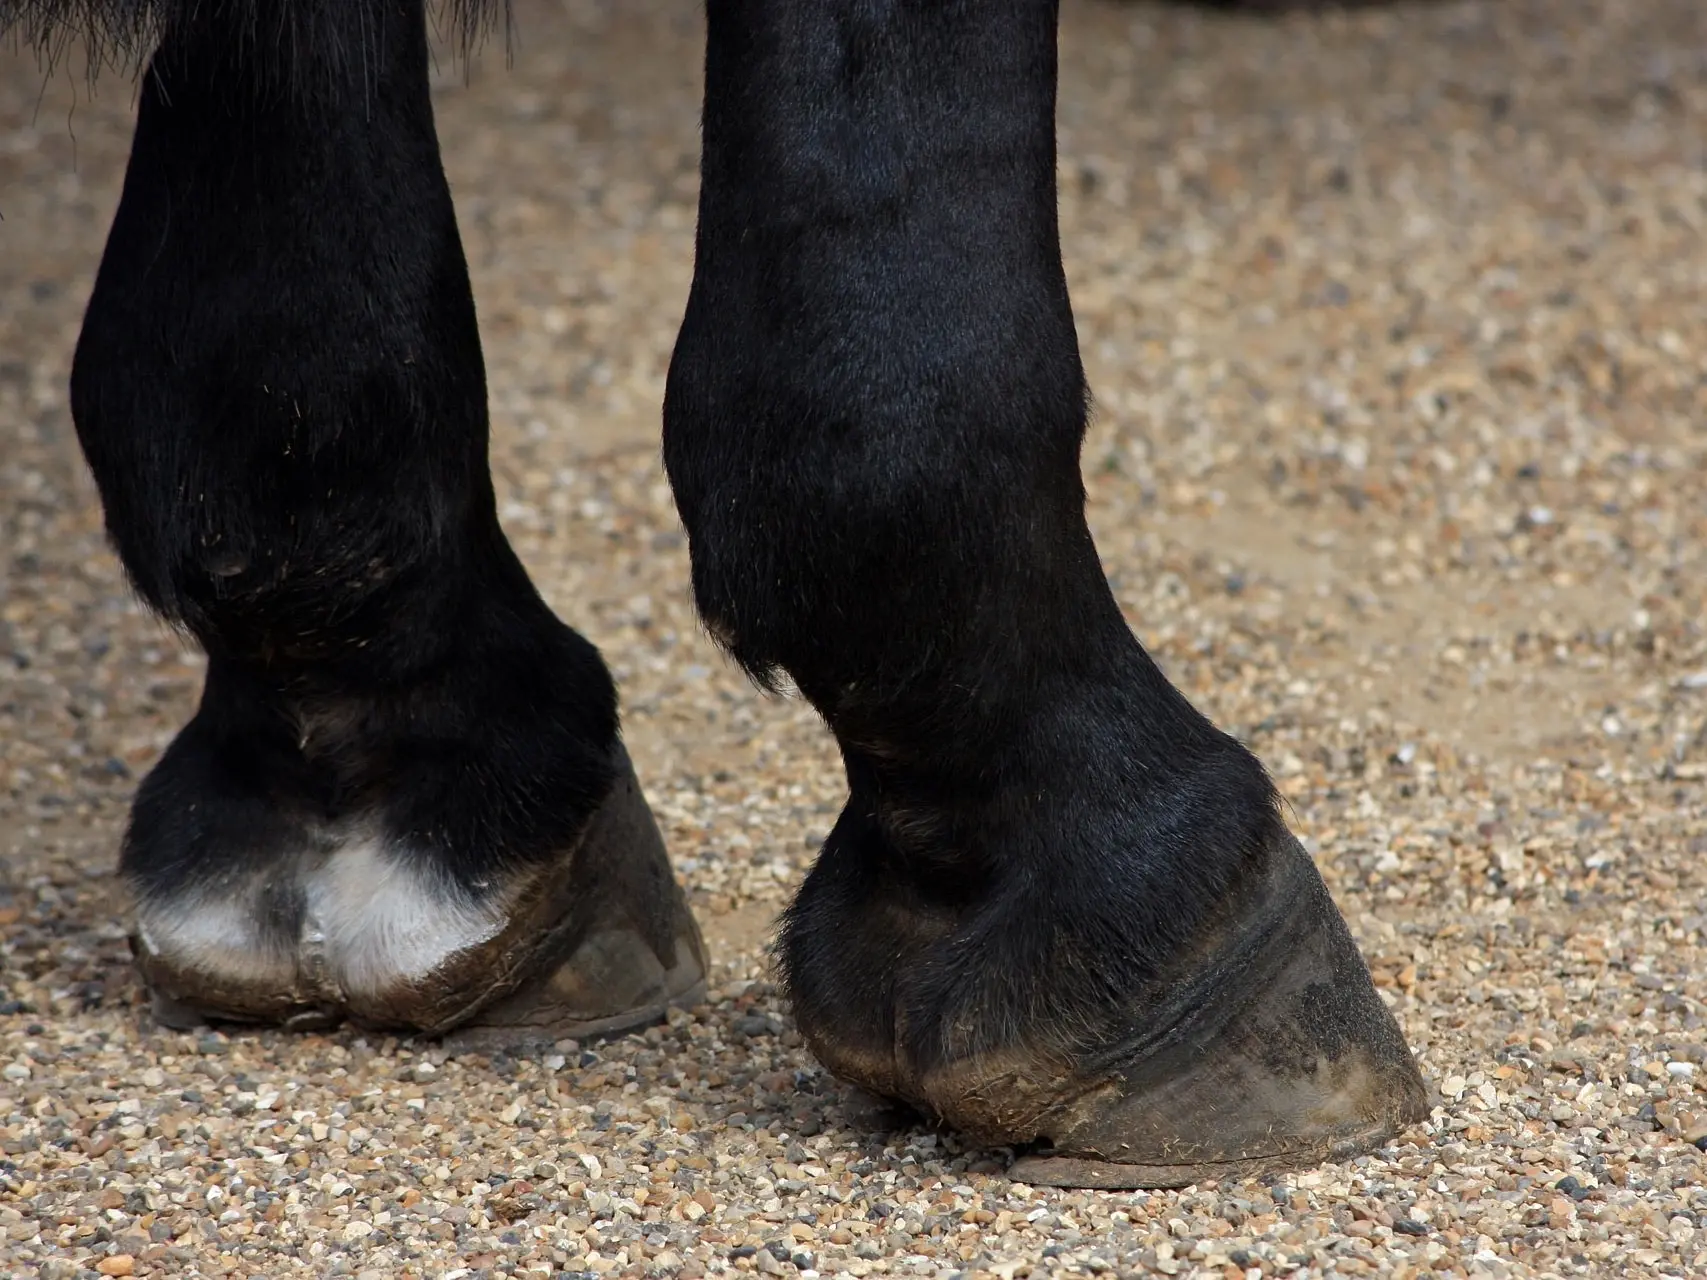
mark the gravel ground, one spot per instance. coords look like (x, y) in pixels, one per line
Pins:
(1396, 322)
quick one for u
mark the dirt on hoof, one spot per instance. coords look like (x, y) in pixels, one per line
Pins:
(1265, 1048)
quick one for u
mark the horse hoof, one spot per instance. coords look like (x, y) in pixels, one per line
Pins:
(1261, 1045)
(1274, 1054)
(596, 942)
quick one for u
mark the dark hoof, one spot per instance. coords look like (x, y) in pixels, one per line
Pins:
(626, 951)
(1276, 1054)
(594, 943)
(1265, 1049)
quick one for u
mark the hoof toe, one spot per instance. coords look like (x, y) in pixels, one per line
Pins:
(1276, 1055)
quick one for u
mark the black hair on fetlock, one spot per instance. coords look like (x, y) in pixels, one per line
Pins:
(312, 38)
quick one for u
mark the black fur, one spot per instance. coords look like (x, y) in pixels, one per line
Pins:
(872, 425)
(280, 392)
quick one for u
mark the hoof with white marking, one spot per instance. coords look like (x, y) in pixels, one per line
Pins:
(285, 916)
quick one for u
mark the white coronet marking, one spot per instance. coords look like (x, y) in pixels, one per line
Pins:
(215, 930)
(378, 916)
(386, 919)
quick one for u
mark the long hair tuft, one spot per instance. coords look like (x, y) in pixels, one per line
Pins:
(119, 35)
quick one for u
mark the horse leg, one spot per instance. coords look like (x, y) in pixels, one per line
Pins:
(403, 798)
(1060, 907)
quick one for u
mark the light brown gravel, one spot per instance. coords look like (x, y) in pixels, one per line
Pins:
(1396, 322)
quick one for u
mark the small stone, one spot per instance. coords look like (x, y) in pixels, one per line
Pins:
(117, 1264)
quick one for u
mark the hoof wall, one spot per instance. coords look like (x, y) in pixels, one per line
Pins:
(1264, 1048)
(1278, 1055)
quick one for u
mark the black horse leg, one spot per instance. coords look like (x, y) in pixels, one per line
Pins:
(403, 798)
(1060, 907)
